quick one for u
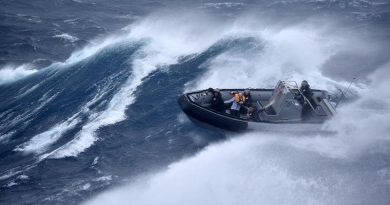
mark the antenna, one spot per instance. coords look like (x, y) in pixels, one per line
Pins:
(342, 93)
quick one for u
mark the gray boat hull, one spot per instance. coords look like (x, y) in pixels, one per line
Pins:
(285, 117)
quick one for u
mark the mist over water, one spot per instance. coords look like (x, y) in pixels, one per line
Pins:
(103, 126)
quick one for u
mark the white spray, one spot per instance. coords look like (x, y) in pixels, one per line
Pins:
(259, 168)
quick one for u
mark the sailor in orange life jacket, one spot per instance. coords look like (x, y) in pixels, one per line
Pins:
(237, 100)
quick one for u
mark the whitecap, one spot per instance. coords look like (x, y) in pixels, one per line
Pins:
(10, 184)
(104, 178)
(67, 37)
(220, 5)
(5, 137)
(86, 186)
(12, 73)
(41, 142)
(23, 177)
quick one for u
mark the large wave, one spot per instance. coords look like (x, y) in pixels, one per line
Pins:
(59, 114)
(272, 168)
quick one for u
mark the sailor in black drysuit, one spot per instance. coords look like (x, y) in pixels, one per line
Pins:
(217, 101)
(247, 105)
(248, 102)
(307, 93)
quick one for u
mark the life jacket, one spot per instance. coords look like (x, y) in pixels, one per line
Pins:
(239, 98)
(245, 98)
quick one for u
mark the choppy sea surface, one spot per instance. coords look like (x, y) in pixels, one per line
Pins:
(88, 111)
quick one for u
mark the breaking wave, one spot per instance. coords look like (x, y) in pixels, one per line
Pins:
(272, 168)
(10, 74)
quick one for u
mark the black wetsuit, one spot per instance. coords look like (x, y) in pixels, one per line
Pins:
(217, 103)
(306, 108)
(247, 103)
(248, 100)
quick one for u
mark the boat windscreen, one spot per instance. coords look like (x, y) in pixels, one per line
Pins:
(278, 96)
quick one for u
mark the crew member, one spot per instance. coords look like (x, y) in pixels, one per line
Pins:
(236, 101)
(217, 101)
(247, 102)
(305, 97)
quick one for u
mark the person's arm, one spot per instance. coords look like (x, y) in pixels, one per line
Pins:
(212, 101)
(229, 101)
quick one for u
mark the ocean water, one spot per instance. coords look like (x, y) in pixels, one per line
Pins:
(88, 111)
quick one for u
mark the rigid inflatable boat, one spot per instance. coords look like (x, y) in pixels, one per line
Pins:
(274, 109)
